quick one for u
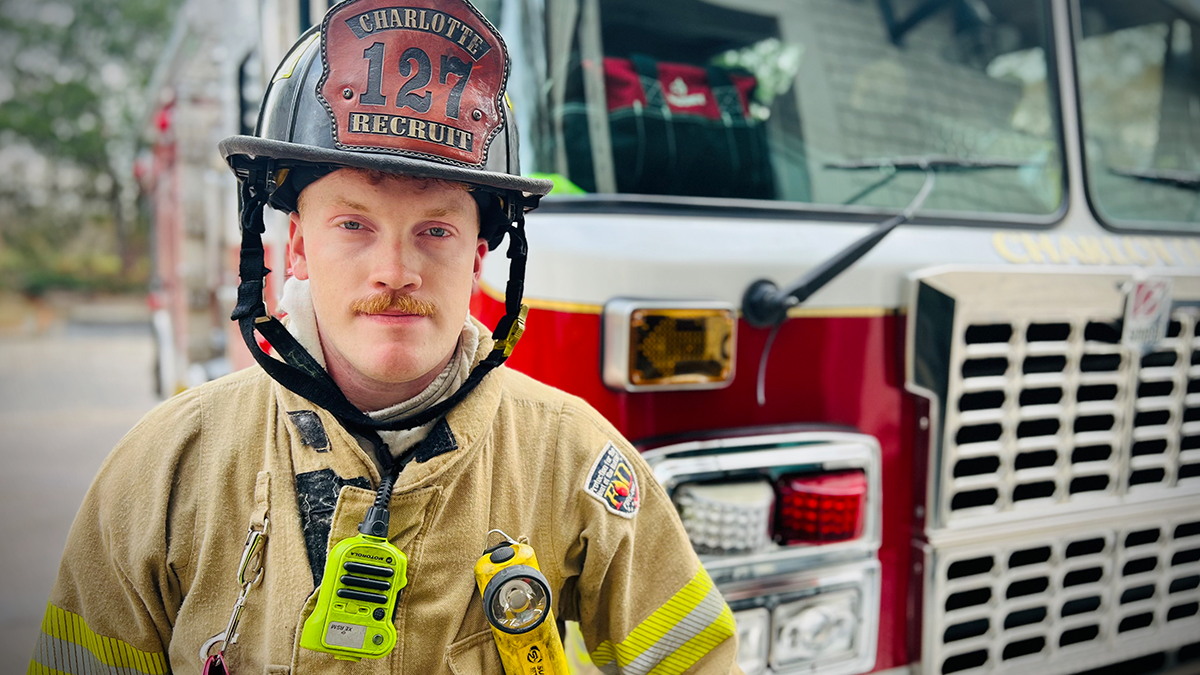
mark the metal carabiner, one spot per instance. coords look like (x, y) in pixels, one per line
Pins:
(206, 648)
(252, 555)
(229, 636)
(502, 533)
(251, 563)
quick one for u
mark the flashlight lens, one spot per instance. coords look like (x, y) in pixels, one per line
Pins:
(517, 596)
(519, 604)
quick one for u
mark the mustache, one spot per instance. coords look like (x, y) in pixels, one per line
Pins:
(392, 302)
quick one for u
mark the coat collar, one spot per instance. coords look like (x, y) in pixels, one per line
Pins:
(469, 421)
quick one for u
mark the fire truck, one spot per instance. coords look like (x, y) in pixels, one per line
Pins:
(900, 299)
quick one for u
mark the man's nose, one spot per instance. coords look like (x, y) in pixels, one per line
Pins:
(395, 266)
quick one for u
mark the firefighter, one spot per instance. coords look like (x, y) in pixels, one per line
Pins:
(381, 408)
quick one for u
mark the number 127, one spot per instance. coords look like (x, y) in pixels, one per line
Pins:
(420, 77)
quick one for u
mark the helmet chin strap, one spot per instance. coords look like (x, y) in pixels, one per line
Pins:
(299, 372)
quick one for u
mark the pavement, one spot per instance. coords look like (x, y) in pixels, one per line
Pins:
(73, 380)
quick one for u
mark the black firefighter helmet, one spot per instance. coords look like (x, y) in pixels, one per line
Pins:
(417, 90)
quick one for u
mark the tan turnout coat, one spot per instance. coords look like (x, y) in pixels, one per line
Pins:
(149, 572)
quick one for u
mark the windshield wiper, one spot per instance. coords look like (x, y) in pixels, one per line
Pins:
(894, 166)
(1184, 180)
(764, 304)
(923, 162)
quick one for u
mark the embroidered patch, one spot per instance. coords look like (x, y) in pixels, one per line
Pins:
(613, 482)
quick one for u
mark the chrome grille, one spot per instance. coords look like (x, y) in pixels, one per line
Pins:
(1062, 522)
(1064, 600)
(1050, 412)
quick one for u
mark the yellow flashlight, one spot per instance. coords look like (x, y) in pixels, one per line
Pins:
(519, 605)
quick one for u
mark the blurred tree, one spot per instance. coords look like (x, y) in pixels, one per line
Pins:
(72, 80)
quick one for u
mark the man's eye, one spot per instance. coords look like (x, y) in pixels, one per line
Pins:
(351, 225)
(438, 231)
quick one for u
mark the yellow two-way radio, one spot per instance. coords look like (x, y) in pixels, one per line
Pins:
(353, 616)
(357, 598)
(518, 604)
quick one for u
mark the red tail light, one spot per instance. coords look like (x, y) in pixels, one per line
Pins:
(819, 509)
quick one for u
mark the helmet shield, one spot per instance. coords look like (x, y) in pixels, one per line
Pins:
(412, 87)
(424, 79)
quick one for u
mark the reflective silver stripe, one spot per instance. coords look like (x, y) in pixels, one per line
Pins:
(701, 617)
(67, 657)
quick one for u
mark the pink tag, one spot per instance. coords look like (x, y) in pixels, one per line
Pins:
(215, 665)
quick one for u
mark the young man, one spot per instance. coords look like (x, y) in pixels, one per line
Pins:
(228, 498)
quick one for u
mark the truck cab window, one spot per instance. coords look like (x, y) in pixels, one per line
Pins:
(744, 99)
(1139, 85)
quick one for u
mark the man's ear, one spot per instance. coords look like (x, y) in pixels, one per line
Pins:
(297, 259)
(481, 249)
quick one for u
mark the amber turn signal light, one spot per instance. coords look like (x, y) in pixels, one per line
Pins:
(673, 347)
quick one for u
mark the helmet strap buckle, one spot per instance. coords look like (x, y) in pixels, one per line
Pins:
(515, 331)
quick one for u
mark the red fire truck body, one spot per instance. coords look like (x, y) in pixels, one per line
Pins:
(855, 345)
(1021, 472)
(562, 342)
(840, 366)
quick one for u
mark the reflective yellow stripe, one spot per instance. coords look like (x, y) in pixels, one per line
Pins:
(604, 653)
(289, 66)
(68, 646)
(497, 294)
(676, 635)
(36, 668)
(664, 618)
(695, 649)
(550, 305)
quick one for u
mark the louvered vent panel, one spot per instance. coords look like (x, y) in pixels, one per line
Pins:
(1053, 603)
(1043, 413)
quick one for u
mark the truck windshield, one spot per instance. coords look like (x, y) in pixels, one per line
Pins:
(771, 99)
(1139, 85)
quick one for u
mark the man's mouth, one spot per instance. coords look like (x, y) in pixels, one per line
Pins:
(393, 305)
